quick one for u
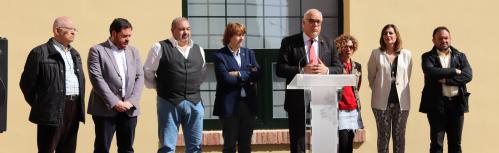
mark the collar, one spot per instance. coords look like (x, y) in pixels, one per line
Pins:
(441, 53)
(175, 43)
(64, 48)
(114, 47)
(306, 38)
(235, 52)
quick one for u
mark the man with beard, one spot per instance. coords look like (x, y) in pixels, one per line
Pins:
(445, 97)
(117, 78)
(175, 68)
(53, 84)
(309, 53)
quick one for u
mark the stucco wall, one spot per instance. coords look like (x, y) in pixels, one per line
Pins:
(473, 30)
(27, 23)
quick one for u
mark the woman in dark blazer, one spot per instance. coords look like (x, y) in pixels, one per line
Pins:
(236, 71)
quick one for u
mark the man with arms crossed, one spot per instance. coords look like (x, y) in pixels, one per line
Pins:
(445, 96)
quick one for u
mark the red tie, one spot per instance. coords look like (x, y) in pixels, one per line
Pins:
(311, 53)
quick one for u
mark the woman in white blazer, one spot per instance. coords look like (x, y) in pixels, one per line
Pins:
(389, 71)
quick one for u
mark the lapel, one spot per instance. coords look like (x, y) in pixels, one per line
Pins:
(322, 49)
(243, 53)
(231, 60)
(453, 58)
(434, 55)
(300, 50)
(107, 47)
(130, 62)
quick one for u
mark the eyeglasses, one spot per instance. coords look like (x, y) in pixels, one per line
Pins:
(348, 47)
(313, 21)
(68, 28)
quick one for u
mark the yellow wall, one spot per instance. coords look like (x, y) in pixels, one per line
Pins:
(473, 27)
(28, 23)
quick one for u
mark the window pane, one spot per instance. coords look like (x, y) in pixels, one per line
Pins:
(254, 9)
(200, 40)
(216, 27)
(238, 20)
(293, 7)
(324, 6)
(254, 26)
(291, 26)
(208, 90)
(273, 27)
(197, 9)
(215, 42)
(330, 27)
(254, 42)
(198, 26)
(235, 9)
(254, 33)
(196, 1)
(278, 87)
(216, 10)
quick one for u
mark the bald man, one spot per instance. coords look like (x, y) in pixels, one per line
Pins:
(53, 85)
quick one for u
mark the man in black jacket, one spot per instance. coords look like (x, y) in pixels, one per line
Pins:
(445, 97)
(53, 85)
(310, 53)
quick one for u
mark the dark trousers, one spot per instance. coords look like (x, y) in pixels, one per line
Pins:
(451, 122)
(61, 139)
(345, 141)
(238, 128)
(122, 124)
(391, 120)
(296, 124)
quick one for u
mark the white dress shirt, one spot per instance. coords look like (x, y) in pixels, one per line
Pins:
(154, 56)
(120, 57)
(448, 91)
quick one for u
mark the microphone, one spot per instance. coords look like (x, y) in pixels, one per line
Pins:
(299, 63)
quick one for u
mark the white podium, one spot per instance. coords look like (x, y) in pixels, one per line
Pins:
(324, 107)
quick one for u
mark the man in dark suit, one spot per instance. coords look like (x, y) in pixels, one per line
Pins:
(445, 97)
(236, 71)
(53, 84)
(310, 53)
(117, 78)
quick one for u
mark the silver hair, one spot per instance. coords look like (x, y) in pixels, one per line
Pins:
(310, 11)
(176, 20)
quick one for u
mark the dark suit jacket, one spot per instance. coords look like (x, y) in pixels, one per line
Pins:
(43, 84)
(229, 87)
(432, 97)
(292, 53)
(106, 80)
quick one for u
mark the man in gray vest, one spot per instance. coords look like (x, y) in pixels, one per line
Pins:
(175, 67)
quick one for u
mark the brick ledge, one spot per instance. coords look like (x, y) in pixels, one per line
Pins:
(260, 137)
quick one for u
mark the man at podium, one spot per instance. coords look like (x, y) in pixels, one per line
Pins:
(310, 53)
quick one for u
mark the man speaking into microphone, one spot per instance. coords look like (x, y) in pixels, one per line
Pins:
(310, 53)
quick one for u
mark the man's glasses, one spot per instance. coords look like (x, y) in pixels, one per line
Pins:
(68, 28)
(313, 21)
